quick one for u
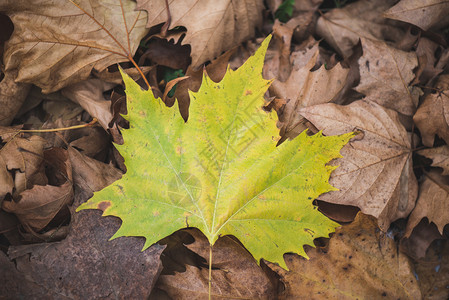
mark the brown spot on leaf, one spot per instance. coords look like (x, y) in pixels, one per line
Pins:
(104, 205)
(248, 92)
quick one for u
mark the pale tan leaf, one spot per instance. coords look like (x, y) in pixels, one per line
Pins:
(342, 27)
(439, 157)
(212, 26)
(12, 96)
(432, 203)
(360, 263)
(385, 74)
(376, 171)
(56, 44)
(432, 116)
(425, 14)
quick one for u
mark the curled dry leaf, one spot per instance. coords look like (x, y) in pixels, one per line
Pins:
(376, 171)
(56, 43)
(23, 158)
(422, 236)
(439, 157)
(12, 96)
(235, 274)
(343, 27)
(89, 94)
(425, 14)
(432, 203)
(212, 26)
(385, 74)
(306, 88)
(432, 116)
(37, 206)
(361, 263)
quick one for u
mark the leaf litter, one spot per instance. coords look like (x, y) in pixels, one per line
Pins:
(409, 81)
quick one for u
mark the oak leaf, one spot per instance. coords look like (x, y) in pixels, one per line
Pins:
(220, 172)
(58, 43)
(212, 26)
(376, 171)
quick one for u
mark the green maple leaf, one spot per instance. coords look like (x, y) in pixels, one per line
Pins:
(221, 171)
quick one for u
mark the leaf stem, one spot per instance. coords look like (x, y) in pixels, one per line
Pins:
(140, 71)
(60, 129)
(210, 271)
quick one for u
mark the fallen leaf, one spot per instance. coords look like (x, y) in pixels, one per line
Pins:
(37, 206)
(432, 116)
(86, 265)
(343, 27)
(360, 263)
(166, 53)
(433, 271)
(212, 27)
(376, 171)
(235, 274)
(425, 50)
(432, 203)
(12, 96)
(425, 14)
(221, 173)
(439, 157)
(306, 88)
(55, 44)
(385, 74)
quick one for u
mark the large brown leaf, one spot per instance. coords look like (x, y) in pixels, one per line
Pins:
(432, 203)
(235, 274)
(212, 26)
(56, 44)
(385, 74)
(432, 116)
(361, 263)
(342, 27)
(425, 14)
(376, 171)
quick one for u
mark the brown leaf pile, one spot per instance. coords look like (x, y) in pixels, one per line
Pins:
(376, 67)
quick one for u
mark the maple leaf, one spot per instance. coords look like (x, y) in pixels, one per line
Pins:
(220, 172)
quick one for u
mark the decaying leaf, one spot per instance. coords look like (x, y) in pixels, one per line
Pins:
(221, 172)
(385, 74)
(57, 43)
(425, 14)
(432, 203)
(343, 27)
(439, 157)
(235, 274)
(12, 96)
(361, 263)
(432, 117)
(376, 171)
(212, 26)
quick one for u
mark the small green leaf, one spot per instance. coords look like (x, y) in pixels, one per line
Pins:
(221, 171)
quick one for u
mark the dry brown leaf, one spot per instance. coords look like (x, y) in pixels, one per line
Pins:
(432, 203)
(422, 236)
(235, 274)
(376, 171)
(342, 27)
(432, 116)
(89, 174)
(428, 69)
(89, 95)
(385, 74)
(212, 26)
(12, 96)
(55, 44)
(24, 161)
(425, 14)
(37, 206)
(361, 263)
(439, 157)
(305, 88)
